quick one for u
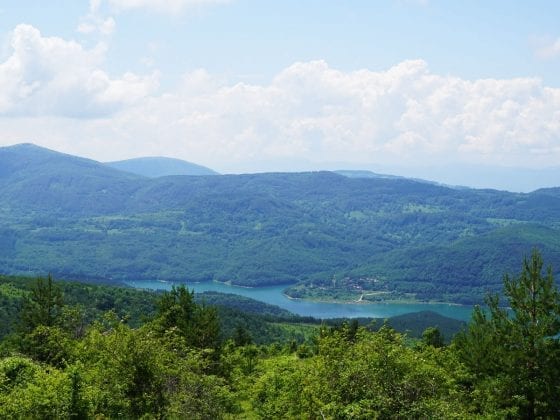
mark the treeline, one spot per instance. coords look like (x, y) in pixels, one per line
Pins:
(264, 322)
(504, 364)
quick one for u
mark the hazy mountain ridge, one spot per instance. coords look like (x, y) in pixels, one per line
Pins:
(79, 218)
(155, 167)
(35, 179)
(353, 173)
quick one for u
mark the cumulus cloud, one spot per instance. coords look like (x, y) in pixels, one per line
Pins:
(94, 22)
(406, 114)
(53, 76)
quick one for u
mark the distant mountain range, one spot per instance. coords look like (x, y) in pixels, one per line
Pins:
(460, 175)
(337, 237)
(370, 174)
(154, 167)
(364, 174)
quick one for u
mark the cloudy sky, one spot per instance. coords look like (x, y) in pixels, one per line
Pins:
(252, 85)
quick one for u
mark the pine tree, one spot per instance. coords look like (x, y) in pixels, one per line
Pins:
(198, 324)
(517, 349)
(535, 303)
(43, 306)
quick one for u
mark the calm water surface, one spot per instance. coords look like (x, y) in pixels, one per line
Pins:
(274, 296)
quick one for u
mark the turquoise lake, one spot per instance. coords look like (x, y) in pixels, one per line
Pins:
(320, 310)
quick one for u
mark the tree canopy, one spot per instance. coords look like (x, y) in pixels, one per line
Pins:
(175, 364)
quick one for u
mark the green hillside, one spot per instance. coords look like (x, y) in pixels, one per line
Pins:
(40, 182)
(380, 237)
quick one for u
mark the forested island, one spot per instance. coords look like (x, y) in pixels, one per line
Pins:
(75, 350)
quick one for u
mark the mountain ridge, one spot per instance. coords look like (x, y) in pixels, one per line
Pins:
(79, 218)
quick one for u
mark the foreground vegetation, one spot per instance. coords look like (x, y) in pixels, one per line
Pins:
(64, 363)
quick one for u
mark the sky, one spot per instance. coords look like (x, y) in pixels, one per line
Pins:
(427, 88)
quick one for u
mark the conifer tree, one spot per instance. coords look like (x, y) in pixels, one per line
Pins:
(517, 349)
(43, 306)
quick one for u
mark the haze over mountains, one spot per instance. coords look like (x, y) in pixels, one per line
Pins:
(154, 167)
(506, 178)
(80, 218)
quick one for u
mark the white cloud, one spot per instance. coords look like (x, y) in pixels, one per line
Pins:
(94, 22)
(547, 48)
(161, 6)
(52, 76)
(94, 6)
(91, 24)
(404, 115)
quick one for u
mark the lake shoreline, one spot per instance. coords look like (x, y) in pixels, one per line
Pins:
(380, 302)
(275, 295)
(401, 301)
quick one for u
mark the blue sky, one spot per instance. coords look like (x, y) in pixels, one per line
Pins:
(244, 85)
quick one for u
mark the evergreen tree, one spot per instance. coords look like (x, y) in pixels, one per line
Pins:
(432, 336)
(241, 337)
(198, 324)
(517, 351)
(43, 306)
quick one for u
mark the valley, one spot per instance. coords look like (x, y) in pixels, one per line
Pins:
(380, 238)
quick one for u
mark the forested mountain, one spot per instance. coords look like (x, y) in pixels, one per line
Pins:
(337, 237)
(38, 181)
(154, 167)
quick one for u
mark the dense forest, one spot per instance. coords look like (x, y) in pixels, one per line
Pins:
(377, 237)
(166, 357)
